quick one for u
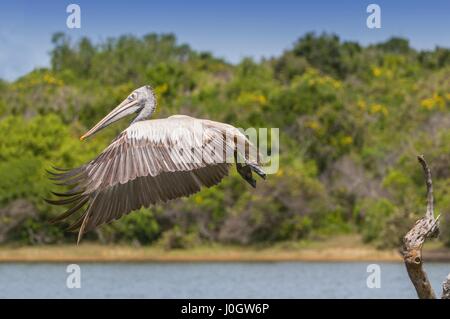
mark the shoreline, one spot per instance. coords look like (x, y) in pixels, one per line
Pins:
(338, 249)
(98, 253)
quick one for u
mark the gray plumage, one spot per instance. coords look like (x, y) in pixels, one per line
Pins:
(151, 161)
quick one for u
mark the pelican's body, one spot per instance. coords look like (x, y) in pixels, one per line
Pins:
(152, 161)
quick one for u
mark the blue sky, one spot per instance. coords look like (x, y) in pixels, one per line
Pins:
(229, 29)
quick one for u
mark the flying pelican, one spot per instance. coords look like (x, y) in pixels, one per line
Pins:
(151, 161)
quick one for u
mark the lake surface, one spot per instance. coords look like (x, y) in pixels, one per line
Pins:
(212, 280)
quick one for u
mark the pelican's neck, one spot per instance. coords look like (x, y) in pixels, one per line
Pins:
(148, 109)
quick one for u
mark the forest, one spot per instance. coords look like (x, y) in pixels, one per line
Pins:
(352, 120)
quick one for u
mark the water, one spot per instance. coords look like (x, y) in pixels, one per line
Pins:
(212, 280)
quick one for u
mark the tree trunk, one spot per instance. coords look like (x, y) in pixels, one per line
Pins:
(426, 227)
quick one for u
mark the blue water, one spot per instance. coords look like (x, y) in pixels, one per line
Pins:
(212, 280)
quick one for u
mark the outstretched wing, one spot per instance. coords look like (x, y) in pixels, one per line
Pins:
(151, 161)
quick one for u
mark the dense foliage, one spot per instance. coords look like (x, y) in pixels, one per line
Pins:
(352, 120)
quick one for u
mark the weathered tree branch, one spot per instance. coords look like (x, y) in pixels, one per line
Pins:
(446, 288)
(426, 227)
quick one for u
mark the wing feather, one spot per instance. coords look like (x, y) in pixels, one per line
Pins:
(150, 162)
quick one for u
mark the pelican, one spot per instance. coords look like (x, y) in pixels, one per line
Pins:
(152, 161)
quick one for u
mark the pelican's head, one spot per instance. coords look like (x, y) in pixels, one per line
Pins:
(141, 100)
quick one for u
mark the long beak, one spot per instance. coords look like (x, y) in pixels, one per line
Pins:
(123, 109)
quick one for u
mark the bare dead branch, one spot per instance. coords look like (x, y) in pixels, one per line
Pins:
(446, 288)
(424, 228)
(429, 182)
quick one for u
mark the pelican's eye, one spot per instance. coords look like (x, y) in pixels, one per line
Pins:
(132, 97)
